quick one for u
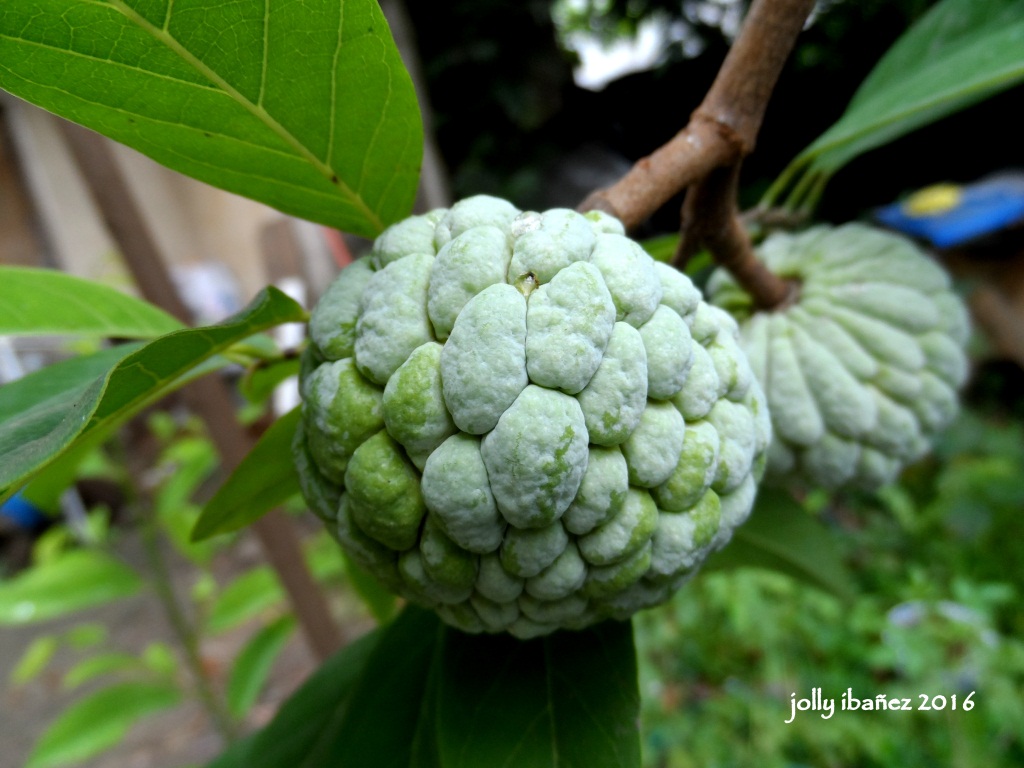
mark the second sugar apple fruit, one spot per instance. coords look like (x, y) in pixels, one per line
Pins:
(862, 370)
(523, 421)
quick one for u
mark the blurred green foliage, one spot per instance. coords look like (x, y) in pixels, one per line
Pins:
(940, 576)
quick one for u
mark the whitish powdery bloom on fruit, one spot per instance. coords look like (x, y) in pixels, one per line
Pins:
(863, 369)
(524, 422)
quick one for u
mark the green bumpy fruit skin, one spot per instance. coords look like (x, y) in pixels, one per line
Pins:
(863, 369)
(522, 421)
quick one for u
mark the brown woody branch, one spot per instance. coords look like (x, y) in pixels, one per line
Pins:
(707, 154)
(710, 217)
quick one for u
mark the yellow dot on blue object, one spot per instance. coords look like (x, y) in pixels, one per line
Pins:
(936, 199)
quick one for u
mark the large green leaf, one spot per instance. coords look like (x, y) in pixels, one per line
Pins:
(79, 579)
(38, 405)
(568, 700)
(959, 53)
(422, 695)
(307, 720)
(99, 721)
(386, 702)
(265, 478)
(379, 599)
(75, 406)
(304, 106)
(260, 381)
(49, 483)
(361, 707)
(782, 536)
(39, 302)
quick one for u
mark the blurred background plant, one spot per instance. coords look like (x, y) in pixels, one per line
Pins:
(210, 594)
(936, 573)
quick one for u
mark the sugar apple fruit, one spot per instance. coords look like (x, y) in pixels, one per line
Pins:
(862, 370)
(523, 421)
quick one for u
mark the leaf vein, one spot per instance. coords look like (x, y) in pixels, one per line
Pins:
(332, 118)
(200, 66)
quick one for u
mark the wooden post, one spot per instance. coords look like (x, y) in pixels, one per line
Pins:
(209, 397)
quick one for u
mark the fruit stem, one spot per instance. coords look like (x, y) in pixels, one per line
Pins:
(710, 218)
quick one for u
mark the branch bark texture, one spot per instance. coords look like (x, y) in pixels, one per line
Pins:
(706, 155)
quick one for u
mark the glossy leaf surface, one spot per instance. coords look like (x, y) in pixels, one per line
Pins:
(568, 700)
(304, 106)
(427, 696)
(33, 435)
(265, 478)
(958, 54)
(40, 302)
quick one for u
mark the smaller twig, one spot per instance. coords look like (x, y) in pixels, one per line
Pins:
(710, 217)
(723, 129)
(653, 180)
(772, 218)
(706, 156)
(185, 633)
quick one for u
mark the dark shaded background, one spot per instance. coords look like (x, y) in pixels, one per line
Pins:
(510, 121)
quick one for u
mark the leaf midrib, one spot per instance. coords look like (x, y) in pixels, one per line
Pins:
(896, 117)
(164, 37)
(863, 105)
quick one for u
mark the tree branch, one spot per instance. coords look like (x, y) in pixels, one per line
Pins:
(707, 154)
(739, 96)
(710, 216)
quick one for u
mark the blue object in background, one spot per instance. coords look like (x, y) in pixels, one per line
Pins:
(949, 215)
(22, 513)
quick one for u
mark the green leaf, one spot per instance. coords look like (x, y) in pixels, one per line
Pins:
(418, 695)
(566, 700)
(79, 579)
(959, 53)
(160, 659)
(245, 598)
(381, 601)
(304, 106)
(34, 659)
(781, 536)
(31, 440)
(261, 380)
(40, 302)
(661, 248)
(265, 478)
(253, 664)
(38, 404)
(324, 556)
(83, 636)
(98, 666)
(378, 725)
(48, 484)
(98, 722)
(309, 718)
(425, 752)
